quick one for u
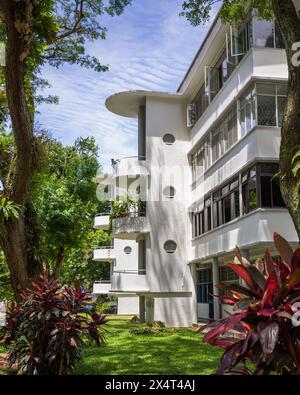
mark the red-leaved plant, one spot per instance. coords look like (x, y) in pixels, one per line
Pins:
(45, 333)
(261, 334)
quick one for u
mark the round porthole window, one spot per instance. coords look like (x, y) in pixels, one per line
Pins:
(170, 246)
(168, 139)
(127, 250)
(169, 192)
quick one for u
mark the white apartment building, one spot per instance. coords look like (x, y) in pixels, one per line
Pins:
(207, 155)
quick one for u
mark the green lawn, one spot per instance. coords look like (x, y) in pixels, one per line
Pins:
(180, 352)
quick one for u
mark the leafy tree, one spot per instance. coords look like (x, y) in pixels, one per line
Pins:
(62, 207)
(35, 33)
(64, 198)
(233, 11)
(5, 282)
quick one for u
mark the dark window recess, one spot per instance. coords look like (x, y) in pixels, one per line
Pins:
(260, 188)
(227, 276)
(269, 186)
(201, 221)
(226, 206)
(204, 286)
(249, 190)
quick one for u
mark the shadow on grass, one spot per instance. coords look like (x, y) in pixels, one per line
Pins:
(179, 352)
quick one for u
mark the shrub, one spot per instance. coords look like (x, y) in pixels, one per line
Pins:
(152, 329)
(264, 316)
(45, 332)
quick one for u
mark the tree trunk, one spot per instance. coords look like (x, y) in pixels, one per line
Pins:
(13, 244)
(289, 24)
(59, 262)
(17, 20)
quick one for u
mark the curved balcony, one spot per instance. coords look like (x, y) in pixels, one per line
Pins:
(102, 221)
(129, 281)
(129, 169)
(104, 254)
(130, 227)
(101, 287)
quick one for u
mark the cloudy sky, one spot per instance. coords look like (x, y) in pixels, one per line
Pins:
(148, 47)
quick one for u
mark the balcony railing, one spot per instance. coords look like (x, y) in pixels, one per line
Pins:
(131, 281)
(102, 287)
(104, 253)
(102, 221)
(131, 225)
(128, 168)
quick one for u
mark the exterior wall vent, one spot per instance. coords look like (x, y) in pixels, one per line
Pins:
(170, 246)
(168, 139)
(127, 250)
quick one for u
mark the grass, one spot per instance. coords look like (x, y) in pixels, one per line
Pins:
(179, 352)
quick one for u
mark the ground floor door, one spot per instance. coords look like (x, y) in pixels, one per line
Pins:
(205, 291)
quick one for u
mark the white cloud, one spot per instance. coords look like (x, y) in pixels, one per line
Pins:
(148, 47)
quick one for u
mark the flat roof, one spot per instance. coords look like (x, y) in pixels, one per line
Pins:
(128, 103)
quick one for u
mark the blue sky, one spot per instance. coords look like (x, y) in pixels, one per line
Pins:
(148, 47)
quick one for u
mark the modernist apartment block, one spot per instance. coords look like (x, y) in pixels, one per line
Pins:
(221, 133)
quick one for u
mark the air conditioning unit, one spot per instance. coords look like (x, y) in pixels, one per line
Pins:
(191, 115)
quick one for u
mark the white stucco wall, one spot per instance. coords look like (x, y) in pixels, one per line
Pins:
(128, 305)
(175, 311)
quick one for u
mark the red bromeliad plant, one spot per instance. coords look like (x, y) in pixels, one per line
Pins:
(265, 318)
(45, 332)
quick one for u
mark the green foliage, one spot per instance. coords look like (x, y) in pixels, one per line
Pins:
(79, 265)
(45, 332)
(179, 352)
(8, 210)
(152, 329)
(5, 282)
(6, 152)
(64, 198)
(264, 318)
(123, 207)
(233, 11)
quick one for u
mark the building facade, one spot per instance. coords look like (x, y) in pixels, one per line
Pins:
(207, 157)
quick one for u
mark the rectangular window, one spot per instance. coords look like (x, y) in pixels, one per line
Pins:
(204, 286)
(247, 111)
(249, 190)
(216, 144)
(226, 204)
(269, 186)
(263, 32)
(200, 159)
(266, 108)
(270, 100)
(227, 276)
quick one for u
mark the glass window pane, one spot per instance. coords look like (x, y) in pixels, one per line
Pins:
(252, 194)
(215, 215)
(220, 213)
(248, 117)
(282, 90)
(263, 32)
(269, 168)
(277, 197)
(243, 121)
(281, 107)
(279, 43)
(227, 208)
(266, 197)
(266, 107)
(244, 196)
(235, 204)
(268, 89)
